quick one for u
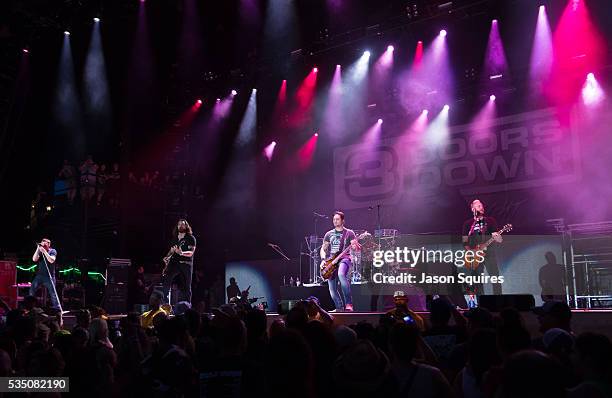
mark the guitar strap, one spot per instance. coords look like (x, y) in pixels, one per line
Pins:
(342, 241)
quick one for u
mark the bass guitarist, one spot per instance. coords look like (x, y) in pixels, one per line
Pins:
(335, 241)
(476, 231)
(179, 262)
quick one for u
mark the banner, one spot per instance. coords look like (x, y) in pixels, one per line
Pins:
(516, 152)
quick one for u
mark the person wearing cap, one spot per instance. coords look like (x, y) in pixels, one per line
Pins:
(402, 313)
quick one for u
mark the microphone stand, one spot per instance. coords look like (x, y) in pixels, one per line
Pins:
(279, 251)
(59, 303)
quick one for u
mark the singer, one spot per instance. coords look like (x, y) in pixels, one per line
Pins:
(475, 231)
(44, 257)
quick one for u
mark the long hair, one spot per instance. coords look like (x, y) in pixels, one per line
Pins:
(188, 232)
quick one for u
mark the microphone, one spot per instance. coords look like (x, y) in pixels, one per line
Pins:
(319, 215)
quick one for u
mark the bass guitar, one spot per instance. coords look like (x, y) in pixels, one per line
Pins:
(475, 262)
(329, 266)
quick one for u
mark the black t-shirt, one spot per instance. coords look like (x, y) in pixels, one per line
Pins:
(186, 244)
(479, 231)
(41, 269)
(334, 237)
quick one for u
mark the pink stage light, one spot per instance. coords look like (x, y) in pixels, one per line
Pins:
(234, 92)
(425, 112)
(199, 102)
(390, 48)
(443, 33)
(338, 66)
(269, 150)
(494, 21)
(492, 97)
(316, 134)
(315, 69)
(380, 121)
(446, 107)
(25, 50)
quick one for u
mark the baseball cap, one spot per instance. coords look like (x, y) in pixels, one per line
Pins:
(399, 294)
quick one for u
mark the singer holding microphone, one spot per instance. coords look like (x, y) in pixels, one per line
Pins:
(44, 257)
(475, 231)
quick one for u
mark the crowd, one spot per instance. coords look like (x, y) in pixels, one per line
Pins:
(233, 353)
(97, 181)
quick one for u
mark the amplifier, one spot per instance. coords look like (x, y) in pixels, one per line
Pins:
(118, 270)
(115, 298)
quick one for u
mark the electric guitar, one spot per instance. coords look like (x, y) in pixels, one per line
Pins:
(476, 261)
(166, 261)
(329, 266)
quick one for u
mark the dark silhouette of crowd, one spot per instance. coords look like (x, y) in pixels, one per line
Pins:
(237, 352)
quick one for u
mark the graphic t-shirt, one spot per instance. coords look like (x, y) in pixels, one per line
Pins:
(334, 237)
(186, 244)
(479, 231)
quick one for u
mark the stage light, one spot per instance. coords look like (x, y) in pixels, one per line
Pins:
(492, 97)
(218, 99)
(199, 102)
(390, 48)
(274, 143)
(494, 21)
(254, 90)
(48, 208)
(443, 33)
(316, 134)
(592, 92)
(380, 121)
(315, 69)
(366, 54)
(25, 50)
(66, 33)
(234, 92)
(498, 76)
(338, 66)
(542, 8)
(446, 107)
(96, 19)
(425, 112)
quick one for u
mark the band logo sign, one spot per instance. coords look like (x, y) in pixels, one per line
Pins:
(521, 151)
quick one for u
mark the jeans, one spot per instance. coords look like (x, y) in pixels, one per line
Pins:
(490, 265)
(41, 279)
(183, 272)
(345, 285)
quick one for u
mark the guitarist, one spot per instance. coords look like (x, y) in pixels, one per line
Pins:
(476, 231)
(179, 261)
(334, 242)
